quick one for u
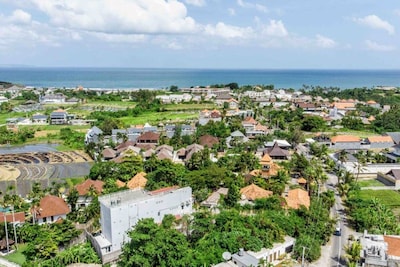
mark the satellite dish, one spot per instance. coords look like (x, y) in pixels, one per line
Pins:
(226, 255)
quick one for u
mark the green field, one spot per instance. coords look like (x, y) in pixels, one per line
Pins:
(370, 183)
(17, 257)
(172, 107)
(156, 117)
(387, 197)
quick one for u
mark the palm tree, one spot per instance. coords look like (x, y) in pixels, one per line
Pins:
(353, 253)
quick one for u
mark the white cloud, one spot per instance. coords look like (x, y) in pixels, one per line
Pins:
(275, 28)
(196, 2)
(174, 46)
(231, 11)
(258, 7)
(119, 16)
(371, 45)
(228, 31)
(374, 22)
(20, 17)
(120, 38)
(324, 42)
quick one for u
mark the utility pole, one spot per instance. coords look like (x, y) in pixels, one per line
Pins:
(5, 225)
(15, 232)
(302, 257)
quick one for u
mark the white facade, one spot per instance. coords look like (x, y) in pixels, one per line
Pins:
(120, 211)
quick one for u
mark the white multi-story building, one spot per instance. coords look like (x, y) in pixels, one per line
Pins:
(121, 211)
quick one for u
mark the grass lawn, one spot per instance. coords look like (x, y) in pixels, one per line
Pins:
(116, 104)
(4, 116)
(369, 183)
(155, 117)
(389, 198)
(17, 256)
(74, 181)
(184, 106)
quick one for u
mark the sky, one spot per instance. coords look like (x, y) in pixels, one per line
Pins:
(227, 34)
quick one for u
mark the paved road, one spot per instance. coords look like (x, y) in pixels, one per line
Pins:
(6, 263)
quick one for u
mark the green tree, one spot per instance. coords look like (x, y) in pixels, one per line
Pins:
(154, 245)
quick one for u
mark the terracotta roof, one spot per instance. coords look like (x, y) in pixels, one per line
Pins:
(164, 154)
(125, 144)
(249, 120)
(345, 138)
(18, 217)
(119, 183)
(302, 181)
(260, 127)
(380, 139)
(162, 190)
(137, 181)
(255, 172)
(108, 153)
(253, 192)
(51, 206)
(148, 136)
(83, 188)
(393, 245)
(371, 102)
(297, 198)
(344, 105)
(208, 140)
(266, 159)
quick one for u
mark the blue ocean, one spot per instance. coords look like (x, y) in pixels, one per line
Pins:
(123, 78)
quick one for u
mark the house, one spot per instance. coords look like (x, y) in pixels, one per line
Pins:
(137, 181)
(93, 135)
(120, 211)
(233, 103)
(392, 177)
(268, 167)
(16, 218)
(213, 200)
(205, 116)
(39, 119)
(3, 99)
(296, 198)
(281, 143)
(108, 153)
(85, 190)
(277, 153)
(191, 149)
(395, 136)
(253, 192)
(345, 142)
(50, 210)
(380, 142)
(236, 137)
(250, 258)
(380, 250)
(249, 124)
(148, 138)
(57, 98)
(59, 117)
(208, 140)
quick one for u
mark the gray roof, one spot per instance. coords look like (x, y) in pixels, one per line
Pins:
(237, 133)
(395, 136)
(39, 117)
(96, 130)
(349, 157)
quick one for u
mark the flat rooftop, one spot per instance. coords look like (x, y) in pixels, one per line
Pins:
(131, 195)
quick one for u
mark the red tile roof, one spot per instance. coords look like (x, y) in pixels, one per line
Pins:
(51, 206)
(162, 190)
(148, 136)
(253, 192)
(297, 198)
(83, 188)
(18, 217)
(393, 245)
(137, 181)
(380, 139)
(345, 138)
